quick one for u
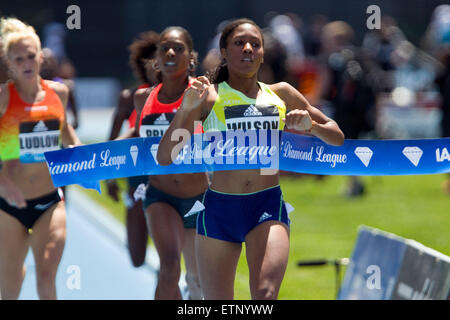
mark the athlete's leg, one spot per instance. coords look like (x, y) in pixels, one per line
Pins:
(267, 249)
(190, 260)
(136, 230)
(217, 261)
(47, 241)
(167, 230)
(13, 251)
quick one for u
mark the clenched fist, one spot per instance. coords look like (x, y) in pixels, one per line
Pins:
(195, 94)
(298, 120)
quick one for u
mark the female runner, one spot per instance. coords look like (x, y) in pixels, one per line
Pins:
(243, 205)
(32, 120)
(171, 201)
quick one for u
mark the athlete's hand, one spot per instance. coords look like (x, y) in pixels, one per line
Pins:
(195, 94)
(11, 193)
(298, 120)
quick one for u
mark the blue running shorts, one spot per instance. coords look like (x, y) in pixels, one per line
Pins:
(230, 217)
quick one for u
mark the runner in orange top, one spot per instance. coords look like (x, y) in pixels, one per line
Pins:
(32, 121)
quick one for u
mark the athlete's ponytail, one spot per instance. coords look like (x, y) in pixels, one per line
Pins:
(220, 74)
(13, 30)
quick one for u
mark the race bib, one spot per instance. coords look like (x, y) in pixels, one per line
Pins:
(252, 117)
(154, 125)
(35, 138)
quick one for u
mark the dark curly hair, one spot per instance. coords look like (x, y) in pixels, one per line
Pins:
(141, 50)
(220, 74)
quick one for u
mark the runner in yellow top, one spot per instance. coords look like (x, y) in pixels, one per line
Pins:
(233, 110)
(243, 205)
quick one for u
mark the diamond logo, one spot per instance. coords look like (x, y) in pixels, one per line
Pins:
(154, 151)
(364, 154)
(413, 154)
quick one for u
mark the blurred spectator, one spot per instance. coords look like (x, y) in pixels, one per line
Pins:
(50, 70)
(348, 86)
(312, 34)
(308, 76)
(274, 67)
(57, 66)
(54, 39)
(214, 43)
(443, 81)
(386, 46)
(438, 43)
(284, 28)
(438, 31)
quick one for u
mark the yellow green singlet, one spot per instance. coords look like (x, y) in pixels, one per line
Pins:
(233, 110)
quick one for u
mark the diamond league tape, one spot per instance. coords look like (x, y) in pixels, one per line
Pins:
(238, 150)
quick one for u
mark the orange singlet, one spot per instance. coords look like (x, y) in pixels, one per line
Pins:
(133, 115)
(28, 130)
(156, 116)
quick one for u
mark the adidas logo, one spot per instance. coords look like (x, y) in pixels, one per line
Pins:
(252, 111)
(40, 126)
(161, 119)
(264, 216)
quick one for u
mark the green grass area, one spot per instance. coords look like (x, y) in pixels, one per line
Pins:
(325, 224)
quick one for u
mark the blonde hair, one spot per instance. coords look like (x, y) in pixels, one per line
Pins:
(13, 30)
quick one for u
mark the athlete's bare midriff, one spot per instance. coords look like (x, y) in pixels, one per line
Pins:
(33, 179)
(243, 181)
(187, 185)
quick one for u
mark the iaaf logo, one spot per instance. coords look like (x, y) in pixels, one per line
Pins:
(443, 155)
